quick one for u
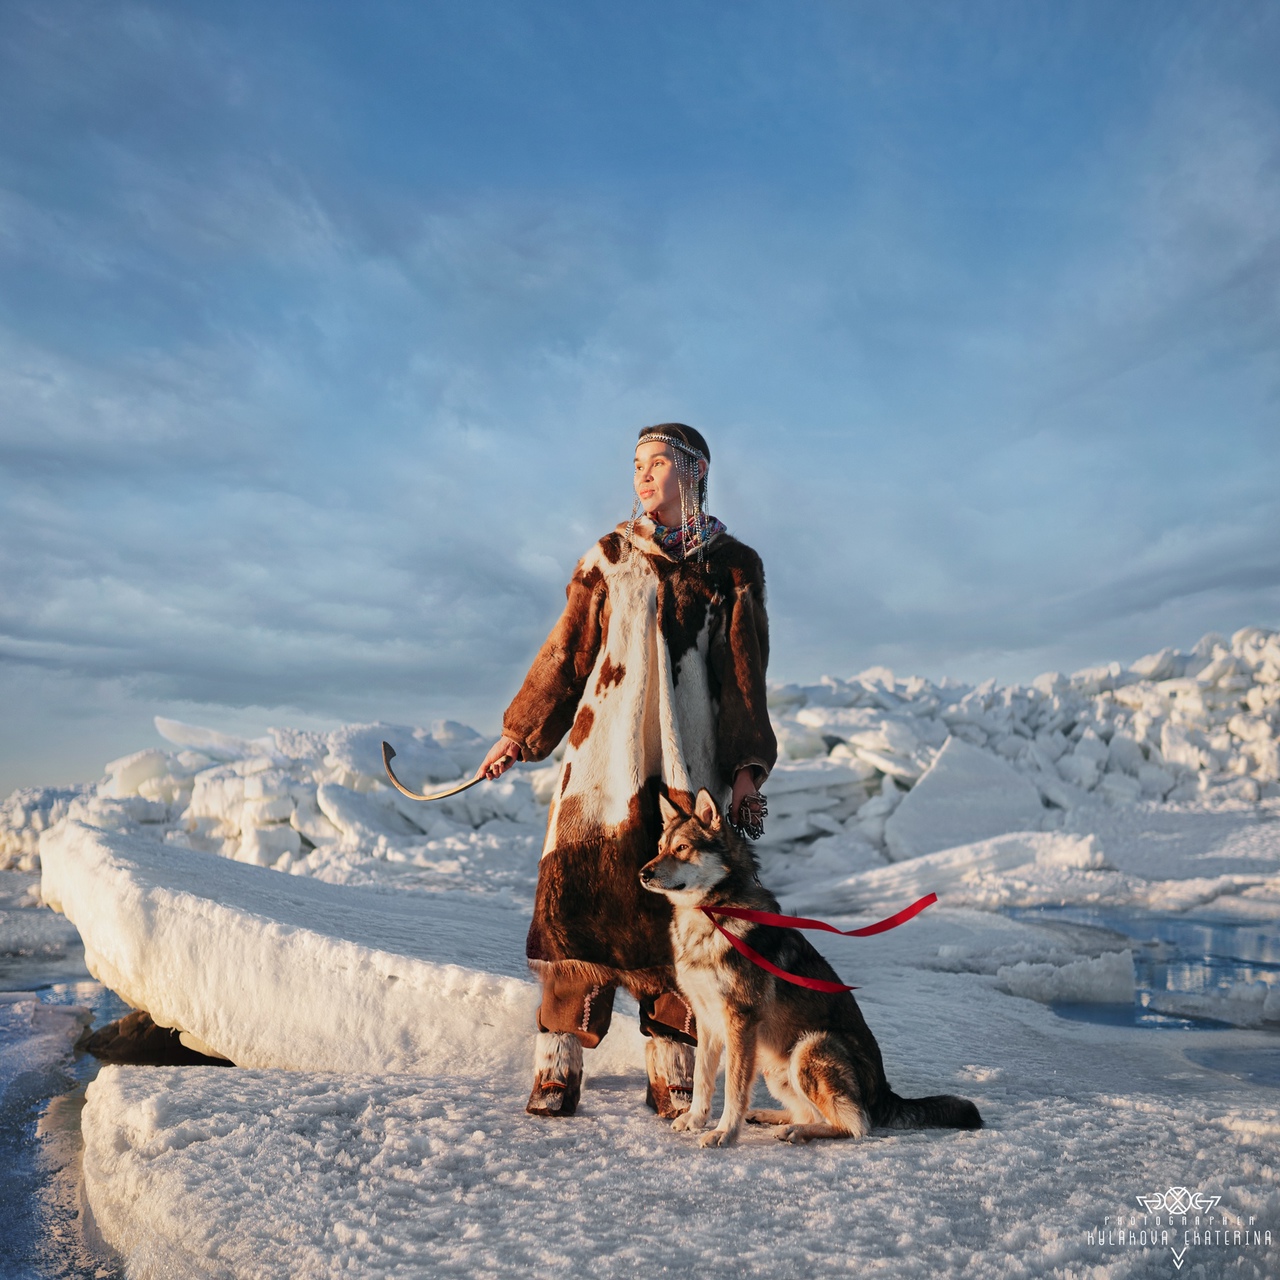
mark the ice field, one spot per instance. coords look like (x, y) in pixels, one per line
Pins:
(1101, 975)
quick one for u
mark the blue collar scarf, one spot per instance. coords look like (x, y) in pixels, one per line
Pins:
(678, 542)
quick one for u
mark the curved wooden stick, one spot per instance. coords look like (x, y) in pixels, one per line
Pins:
(388, 754)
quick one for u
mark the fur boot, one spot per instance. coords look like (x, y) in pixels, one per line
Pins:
(557, 1075)
(670, 1067)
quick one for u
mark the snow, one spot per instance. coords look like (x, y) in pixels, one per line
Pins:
(268, 970)
(434, 1168)
(361, 957)
(1197, 728)
(965, 795)
(1108, 979)
(416, 1175)
(965, 875)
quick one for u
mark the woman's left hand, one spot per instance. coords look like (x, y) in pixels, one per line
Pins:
(747, 807)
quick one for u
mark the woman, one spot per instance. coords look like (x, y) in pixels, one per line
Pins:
(656, 670)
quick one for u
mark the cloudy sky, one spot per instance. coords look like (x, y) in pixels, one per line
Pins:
(326, 330)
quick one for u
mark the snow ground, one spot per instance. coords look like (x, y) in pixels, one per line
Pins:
(270, 1173)
(376, 1126)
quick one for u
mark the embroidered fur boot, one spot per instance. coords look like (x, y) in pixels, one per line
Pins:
(670, 1067)
(557, 1075)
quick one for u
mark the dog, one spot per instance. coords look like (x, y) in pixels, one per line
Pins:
(819, 1057)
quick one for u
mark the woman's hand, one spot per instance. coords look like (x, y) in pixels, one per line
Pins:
(747, 807)
(744, 784)
(502, 755)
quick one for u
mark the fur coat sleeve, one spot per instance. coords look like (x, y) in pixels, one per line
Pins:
(543, 710)
(745, 737)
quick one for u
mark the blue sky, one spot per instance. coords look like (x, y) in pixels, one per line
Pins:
(326, 330)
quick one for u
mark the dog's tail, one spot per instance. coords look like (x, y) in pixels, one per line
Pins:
(941, 1111)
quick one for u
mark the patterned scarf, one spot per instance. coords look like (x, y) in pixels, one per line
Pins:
(679, 542)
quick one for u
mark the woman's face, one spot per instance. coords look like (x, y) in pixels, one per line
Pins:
(656, 483)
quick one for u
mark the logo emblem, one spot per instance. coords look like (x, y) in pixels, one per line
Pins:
(1178, 1200)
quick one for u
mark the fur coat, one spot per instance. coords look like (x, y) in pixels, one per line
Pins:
(656, 670)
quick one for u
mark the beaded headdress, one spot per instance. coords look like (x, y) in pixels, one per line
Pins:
(693, 490)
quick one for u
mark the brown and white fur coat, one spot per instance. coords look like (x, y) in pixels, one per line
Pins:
(656, 670)
(819, 1057)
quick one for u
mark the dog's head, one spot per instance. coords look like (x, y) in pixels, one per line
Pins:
(696, 851)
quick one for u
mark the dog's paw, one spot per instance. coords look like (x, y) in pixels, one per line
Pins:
(768, 1117)
(687, 1121)
(794, 1133)
(719, 1138)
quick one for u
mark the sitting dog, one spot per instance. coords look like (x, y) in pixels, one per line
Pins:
(820, 1059)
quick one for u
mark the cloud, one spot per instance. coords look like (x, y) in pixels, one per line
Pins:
(320, 363)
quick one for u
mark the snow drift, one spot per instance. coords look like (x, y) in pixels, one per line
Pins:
(1200, 726)
(279, 971)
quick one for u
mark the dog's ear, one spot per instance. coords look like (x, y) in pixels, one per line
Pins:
(669, 811)
(706, 809)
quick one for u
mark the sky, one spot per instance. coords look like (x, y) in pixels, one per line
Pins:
(326, 331)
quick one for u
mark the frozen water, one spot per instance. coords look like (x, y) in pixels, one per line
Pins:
(1108, 979)
(381, 961)
(1188, 967)
(357, 749)
(426, 1172)
(966, 795)
(45, 998)
(33, 1033)
(1197, 728)
(215, 745)
(1254, 1066)
(286, 971)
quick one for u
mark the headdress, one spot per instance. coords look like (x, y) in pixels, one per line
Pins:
(689, 449)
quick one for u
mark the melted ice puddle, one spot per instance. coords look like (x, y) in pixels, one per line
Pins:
(1189, 973)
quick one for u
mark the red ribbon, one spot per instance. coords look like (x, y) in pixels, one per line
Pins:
(803, 922)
